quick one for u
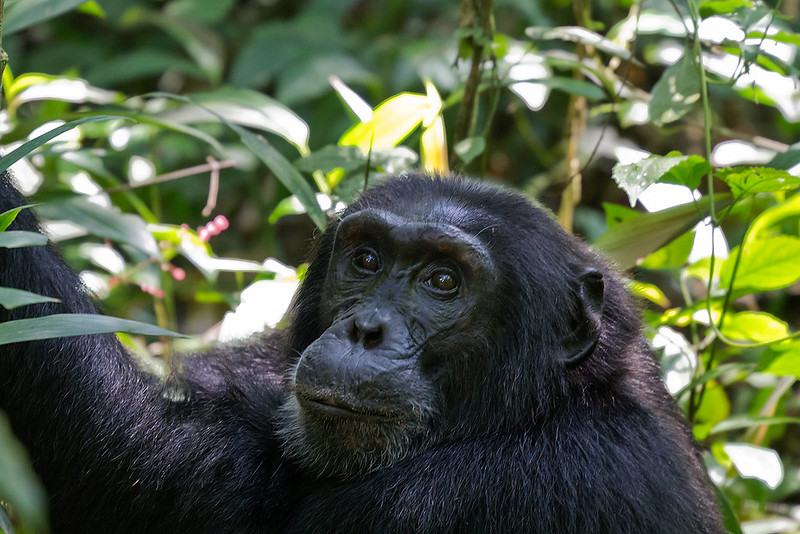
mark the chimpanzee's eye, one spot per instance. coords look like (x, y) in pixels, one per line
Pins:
(367, 260)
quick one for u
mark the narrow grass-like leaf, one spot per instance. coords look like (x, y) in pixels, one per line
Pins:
(11, 298)
(19, 238)
(73, 324)
(7, 217)
(26, 148)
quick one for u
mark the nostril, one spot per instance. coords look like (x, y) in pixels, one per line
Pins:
(353, 333)
(373, 338)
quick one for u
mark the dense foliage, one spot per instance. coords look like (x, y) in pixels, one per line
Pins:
(174, 145)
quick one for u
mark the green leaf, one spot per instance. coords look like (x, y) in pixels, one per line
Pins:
(19, 485)
(21, 14)
(26, 148)
(676, 91)
(760, 463)
(749, 181)
(671, 256)
(766, 264)
(650, 292)
(616, 213)
(330, 157)
(754, 326)
(786, 160)
(577, 34)
(73, 324)
(7, 217)
(283, 170)
(14, 298)
(392, 121)
(781, 359)
(274, 160)
(673, 168)
(709, 8)
(470, 148)
(19, 238)
(104, 222)
(738, 422)
(631, 240)
(246, 108)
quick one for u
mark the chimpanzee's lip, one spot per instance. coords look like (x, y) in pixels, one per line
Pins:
(329, 406)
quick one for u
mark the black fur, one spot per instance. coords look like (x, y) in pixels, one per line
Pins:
(523, 440)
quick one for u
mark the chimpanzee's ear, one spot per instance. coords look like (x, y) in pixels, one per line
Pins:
(586, 321)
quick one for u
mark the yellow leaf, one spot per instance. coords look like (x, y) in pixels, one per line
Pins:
(391, 122)
(434, 147)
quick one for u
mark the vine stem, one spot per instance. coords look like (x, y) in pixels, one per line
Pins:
(576, 123)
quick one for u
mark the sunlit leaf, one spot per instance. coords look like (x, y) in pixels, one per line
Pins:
(14, 298)
(274, 160)
(754, 326)
(748, 181)
(650, 292)
(756, 462)
(721, 7)
(764, 225)
(578, 34)
(766, 264)
(676, 91)
(715, 406)
(782, 359)
(391, 122)
(433, 145)
(634, 178)
(7, 217)
(73, 324)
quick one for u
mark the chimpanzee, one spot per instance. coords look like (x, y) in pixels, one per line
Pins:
(455, 363)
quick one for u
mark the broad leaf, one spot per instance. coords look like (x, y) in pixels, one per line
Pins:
(634, 239)
(766, 264)
(676, 91)
(69, 324)
(756, 462)
(391, 122)
(782, 359)
(758, 327)
(748, 181)
(673, 168)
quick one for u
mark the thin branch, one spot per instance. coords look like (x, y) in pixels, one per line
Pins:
(216, 166)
